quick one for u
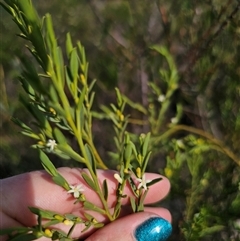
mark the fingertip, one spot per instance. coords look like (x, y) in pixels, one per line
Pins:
(152, 229)
(136, 227)
(162, 212)
(159, 190)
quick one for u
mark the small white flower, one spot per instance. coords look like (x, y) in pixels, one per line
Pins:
(76, 190)
(180, 144)
(51, 144)
(174, 120)
(143, 182)
(118, 178)
(161, 98)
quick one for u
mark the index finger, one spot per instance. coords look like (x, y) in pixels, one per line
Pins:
(38, 190)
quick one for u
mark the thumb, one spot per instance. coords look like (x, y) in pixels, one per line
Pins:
(136, 227)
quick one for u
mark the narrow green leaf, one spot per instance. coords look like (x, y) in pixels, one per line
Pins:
(29, 11)
(93, 207)
(15, 229)
(117, 209)
(69, 45)
(99, 116)
(88, 180)
(98, 225)
(59, 235)
(54, 120)
(31, 76)
(91, 85)
(61, 181)
(50, 168)
(146, 144)
(174, 73)
(133, 186)
(145, 161)
(27, 87)
(105, 189)
(59, 66)
(90, 157)
(160, 49)
(208, 231)
(67, 150)
(69, 79)
(24, 237)
(50, 223)
(127, 153)
(87, 226)
(155, 88)
(43, 213)
(62, 126)
(82, 55)
(47, 164)
(134, 149)
(81, 99)
(119, 97)
(21, 35)
(53, 94)
(21, 124)
(71, 216)
(37, 114)
(59, 136)
(88, 216)
(91, 99)
(115, 109)
(6, 8)
(25, 16)
(133, 204)
(140, 207)
(154, 181)
(116, 140)
(50, 32)
(61, 154)
(135, 105)
(32, 135)
(74, 64)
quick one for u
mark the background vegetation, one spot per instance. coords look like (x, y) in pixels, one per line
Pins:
(187, 88)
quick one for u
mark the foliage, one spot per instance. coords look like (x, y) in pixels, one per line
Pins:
(60, 99)
(178, 62)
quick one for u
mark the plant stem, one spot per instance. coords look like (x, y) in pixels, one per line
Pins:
(219, 145)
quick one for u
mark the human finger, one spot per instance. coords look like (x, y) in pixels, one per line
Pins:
(142, 226)
(37, 189)
(77, 233)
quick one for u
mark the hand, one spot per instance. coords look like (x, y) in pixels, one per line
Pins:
(36, 189)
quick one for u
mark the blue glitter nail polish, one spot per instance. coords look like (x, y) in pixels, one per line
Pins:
(153, 229)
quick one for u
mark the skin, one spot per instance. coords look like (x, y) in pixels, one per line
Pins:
(36, 189)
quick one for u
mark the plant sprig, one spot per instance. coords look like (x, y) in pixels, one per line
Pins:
(59, 98)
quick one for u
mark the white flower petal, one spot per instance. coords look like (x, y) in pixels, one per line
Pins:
(76, 194)
(118, 178)
(76, 190)
(174, 120)
(161, 98)
(51, 144)
(139, 186)
(143, 182)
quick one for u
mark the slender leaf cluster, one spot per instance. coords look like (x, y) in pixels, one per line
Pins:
(59, 98)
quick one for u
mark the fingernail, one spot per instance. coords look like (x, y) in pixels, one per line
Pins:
(153, 229)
